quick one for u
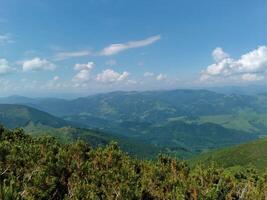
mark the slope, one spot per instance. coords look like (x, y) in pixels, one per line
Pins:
(35, 122)
(13, 116)
(244, 155)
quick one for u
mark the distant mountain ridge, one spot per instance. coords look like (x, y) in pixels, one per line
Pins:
(178, 102)
(196, 120)
(156, 107)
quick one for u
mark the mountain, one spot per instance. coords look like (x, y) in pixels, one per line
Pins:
(36, 122)
(195, 120)
(13, 116)
(145, 106)
(252, 154)
(151, 106)
(16, 99)
(193, 138)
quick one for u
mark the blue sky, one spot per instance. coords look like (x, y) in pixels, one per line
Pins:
(90, 46)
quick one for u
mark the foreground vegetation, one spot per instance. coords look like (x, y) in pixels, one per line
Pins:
(42, 168)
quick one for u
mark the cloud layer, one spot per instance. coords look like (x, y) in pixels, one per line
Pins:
(249, 67)
(71, 54)
(4, 67)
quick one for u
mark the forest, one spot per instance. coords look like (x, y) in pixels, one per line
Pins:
(44, 168)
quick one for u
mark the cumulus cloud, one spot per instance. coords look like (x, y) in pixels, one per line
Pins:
(37, 64)
(82, 76)
(161, 77)
(84, 73)
(5, 39)
(218, 54)
(72, 54)
(117, 48)
(158, 77)
(246, 68)
(110, 76)
(4, 66)
(87, 66)
(148, 74)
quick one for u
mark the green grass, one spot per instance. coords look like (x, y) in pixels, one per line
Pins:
(247, 121)
(245, 155)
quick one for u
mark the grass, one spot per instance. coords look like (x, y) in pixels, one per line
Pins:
(247, 121)
(245, 155)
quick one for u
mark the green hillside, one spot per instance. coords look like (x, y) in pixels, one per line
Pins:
(13, 116)
(194, 120)
(35, 123)
(152, 106)
(43, 168)
(98, 138)
(252, 154)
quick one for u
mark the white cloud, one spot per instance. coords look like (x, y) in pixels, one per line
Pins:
(110, 76)
(72, 54)
(117, 48)
(5, 39)
(87, 66)
(161, 77)
(158, 77)
(148, 74)
(251, 77)
(56, 78)
(218, 54)
(4, 66)
(247, 67)
(84, 73)
(82, 76)
(37, 64)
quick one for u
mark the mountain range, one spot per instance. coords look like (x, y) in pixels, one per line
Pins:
(187, 121)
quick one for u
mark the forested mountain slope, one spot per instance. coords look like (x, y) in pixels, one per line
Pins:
(43, 168)
(35, 122)
(19, 116)
(252, 154)
(195, 120)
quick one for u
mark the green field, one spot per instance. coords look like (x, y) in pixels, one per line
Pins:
(252, 154)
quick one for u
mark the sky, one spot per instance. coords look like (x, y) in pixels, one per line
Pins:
(56, 47)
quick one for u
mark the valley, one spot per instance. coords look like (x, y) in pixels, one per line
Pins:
(180, 123)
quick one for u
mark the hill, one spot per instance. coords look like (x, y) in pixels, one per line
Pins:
(252, 154)
(35, 122)
(148, 106)
(98, 138)
(195, 120)
(13, 116)
(192, 137)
